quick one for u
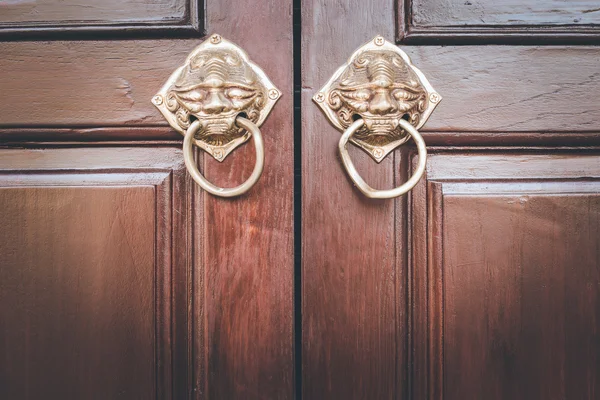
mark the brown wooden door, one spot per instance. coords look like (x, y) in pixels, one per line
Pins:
(484, 281)
(119, 278)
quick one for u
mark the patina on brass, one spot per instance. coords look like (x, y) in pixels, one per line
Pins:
(381, 86)
(216, 84)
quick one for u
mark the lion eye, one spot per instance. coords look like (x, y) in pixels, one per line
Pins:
(405, 95)
(238, 93)
(363, 95)
(193, 95)
(359, 95)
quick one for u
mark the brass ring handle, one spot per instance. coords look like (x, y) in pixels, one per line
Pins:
(359, 181)
(188, 155)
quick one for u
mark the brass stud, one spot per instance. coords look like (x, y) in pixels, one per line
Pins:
(158, 100)
(273, 94)
(218, 154)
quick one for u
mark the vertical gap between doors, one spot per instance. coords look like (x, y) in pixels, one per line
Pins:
(297, 13)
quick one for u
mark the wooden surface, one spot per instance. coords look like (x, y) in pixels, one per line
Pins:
(508, 12)
(507, 304)
(248, 241)
(78, 18)
(219, 272)
(450, 293)
(352, 281)
(481, 283)
(81, 291)
(510, 90)
(92, 297)
(60, 11)
(498, 22)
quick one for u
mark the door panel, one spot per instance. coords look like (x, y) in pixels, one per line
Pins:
(30, 18)
(487, 21)
(78, 129)
(94, 301)
(480, 283)
(352, 274)
(510, 290)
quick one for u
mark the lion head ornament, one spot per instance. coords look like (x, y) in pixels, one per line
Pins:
(216, 84)
(380, 85)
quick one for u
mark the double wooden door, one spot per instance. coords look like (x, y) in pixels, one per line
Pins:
(121, 279)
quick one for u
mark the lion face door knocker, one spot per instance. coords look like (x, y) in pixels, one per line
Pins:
(218, 100)
(378, 99)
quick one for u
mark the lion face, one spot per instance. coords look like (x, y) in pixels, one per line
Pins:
(381, 89)
(214, 88)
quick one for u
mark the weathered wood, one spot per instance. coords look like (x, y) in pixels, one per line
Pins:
(510, 89)
(350, 276)
(506, 13)
(512, 244)
(93, 299)
(230, 262)
(248, 241)
(74, 18)
(500, 22)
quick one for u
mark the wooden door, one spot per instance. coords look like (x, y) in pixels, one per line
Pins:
(119, 278)
(484, 281)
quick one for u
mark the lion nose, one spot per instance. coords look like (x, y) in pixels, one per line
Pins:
(382, 103)
(217, 103)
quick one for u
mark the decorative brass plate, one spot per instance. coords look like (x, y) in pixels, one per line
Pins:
(217, 84)
(380, 85)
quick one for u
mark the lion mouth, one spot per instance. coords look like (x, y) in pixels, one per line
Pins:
(381, 126)
(221, 124)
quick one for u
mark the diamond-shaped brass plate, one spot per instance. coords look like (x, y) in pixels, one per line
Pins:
(379, 84)
(217, 83)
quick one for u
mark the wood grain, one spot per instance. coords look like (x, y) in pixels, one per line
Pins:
(351, 314)
(74, 18)
(506, 13)
(553, 96)
(511, 242)
(487, 21)
(93, 299)
(248, 241)
(228, 264)
(522, 299)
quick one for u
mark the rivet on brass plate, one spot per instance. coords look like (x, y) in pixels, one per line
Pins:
(273, 94)
(157, 99)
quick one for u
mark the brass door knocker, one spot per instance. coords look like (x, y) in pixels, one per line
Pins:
(218, 99)
(378, 99)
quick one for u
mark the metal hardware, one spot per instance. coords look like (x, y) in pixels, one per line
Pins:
(378, 99)
(218, 99)
(359, 181)
(188, 156)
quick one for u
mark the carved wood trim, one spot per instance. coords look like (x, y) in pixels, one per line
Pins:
(426, 238)
(427, 299)
(407, 33)
(173, 311)
(192, 24)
